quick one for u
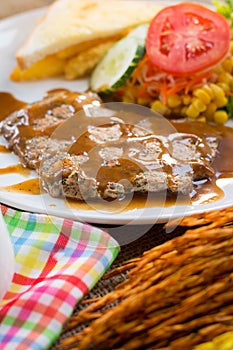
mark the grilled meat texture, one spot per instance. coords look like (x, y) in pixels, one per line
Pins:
(118, 164)
(28, 130)
(109, 157)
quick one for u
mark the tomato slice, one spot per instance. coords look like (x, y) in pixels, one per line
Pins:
(187, 38)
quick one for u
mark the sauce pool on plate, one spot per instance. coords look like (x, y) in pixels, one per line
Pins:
(204, 191)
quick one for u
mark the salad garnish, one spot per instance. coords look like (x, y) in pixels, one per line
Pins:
(187, 38)
(187, 68)
(225, 8)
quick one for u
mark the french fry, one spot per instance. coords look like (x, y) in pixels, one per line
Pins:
(50, 66)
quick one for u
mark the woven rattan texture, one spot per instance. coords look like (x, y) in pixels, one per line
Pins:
(153, 237)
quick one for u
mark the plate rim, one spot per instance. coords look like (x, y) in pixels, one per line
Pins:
(103, 219)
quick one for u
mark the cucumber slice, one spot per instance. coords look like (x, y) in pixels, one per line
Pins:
(119, 62)
(140, 33)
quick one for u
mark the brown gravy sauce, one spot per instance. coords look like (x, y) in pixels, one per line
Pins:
(4, 149)
(16, 168)
(204, 191)
(31, 186)
(9, 104)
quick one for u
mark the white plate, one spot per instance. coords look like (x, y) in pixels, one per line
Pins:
(13, 32)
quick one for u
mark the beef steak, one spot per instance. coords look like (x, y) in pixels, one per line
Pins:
(111, 161)
(28, 129)
(104, 155)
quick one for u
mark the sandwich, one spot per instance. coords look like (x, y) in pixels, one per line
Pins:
(73, 35)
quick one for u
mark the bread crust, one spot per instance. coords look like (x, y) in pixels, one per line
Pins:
(76, 22)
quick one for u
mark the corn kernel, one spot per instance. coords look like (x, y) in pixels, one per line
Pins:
(128, 99)
(192, 112)
(198, 104)
(218, 69)
(186, 100)
(159, 107)
(143, 101)
(209, 91)
(173, 101)
(220, 117)
(210, 110)
(224, 86)
(217, 90)
(202, 95)
(201, 118)
(227, 64)
(225, 77)
(183, 111)
(221, 101)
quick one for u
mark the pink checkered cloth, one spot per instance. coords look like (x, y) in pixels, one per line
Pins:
(57, 262)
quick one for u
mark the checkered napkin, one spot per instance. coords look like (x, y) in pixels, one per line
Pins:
(57, 262)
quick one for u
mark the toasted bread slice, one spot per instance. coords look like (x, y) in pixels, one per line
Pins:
(72, 27)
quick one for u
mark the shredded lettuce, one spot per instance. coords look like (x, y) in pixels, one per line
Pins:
(229, 107)
(225, 8)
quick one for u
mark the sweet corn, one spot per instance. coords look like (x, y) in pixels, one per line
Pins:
(204, 102)
(227, 64)
(159, 107)
(183, 111)
(210, 110)
(220, 117)
(209, 91)
(219, 95)
(201, 118)
(218, 69)
(173, 101)
(221, 101)
(128, 99)
(217, 91)
(224, 86)
(198, 104)
(202, 95)
(192, 112)
(226, 78)
(143, 101)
